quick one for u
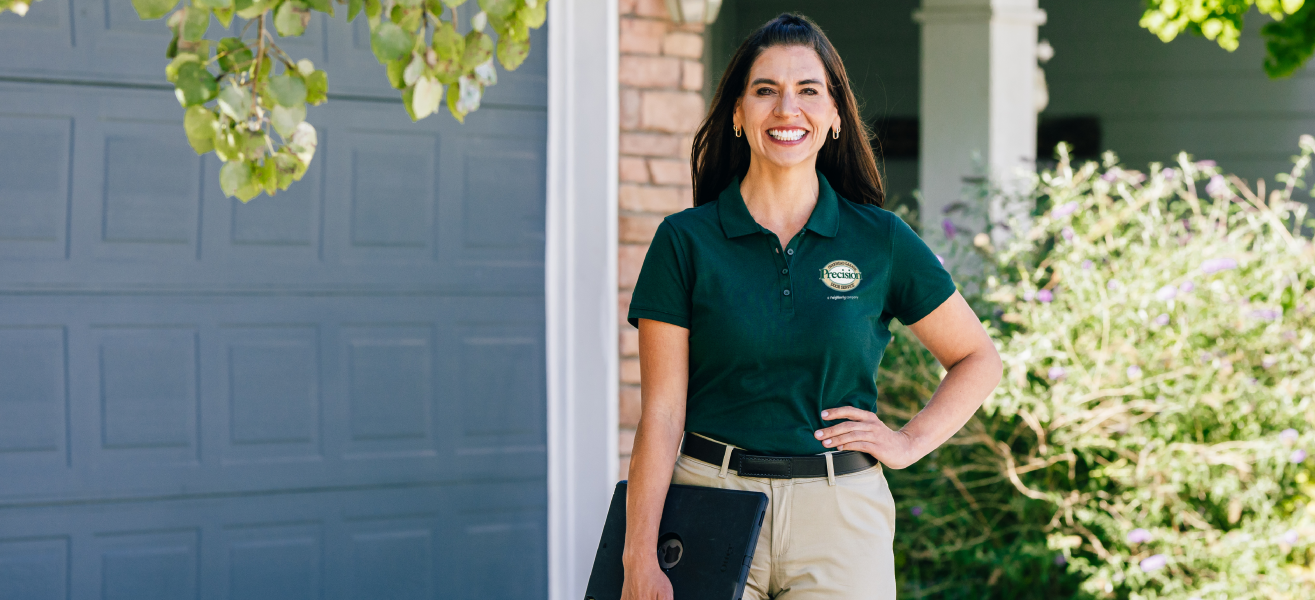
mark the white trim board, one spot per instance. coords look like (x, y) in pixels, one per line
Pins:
(581, 285)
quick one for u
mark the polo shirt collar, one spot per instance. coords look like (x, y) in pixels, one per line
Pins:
(736, 220)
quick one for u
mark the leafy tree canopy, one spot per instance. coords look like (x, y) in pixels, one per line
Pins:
(245, 98)
(1289, 40)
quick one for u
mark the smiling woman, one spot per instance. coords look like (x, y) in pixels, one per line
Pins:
(745, 350)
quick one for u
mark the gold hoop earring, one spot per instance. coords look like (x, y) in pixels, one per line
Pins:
(737, 131)
(835, 134)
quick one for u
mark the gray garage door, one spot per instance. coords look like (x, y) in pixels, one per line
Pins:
(334, 393)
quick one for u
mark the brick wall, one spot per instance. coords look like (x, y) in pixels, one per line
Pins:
(661, 79)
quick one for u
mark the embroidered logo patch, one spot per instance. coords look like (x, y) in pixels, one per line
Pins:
(841, 275)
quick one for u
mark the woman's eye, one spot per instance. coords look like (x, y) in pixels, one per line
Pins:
(765, 91)
(809, 91)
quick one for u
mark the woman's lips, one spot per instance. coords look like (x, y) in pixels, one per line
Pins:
(787, 136)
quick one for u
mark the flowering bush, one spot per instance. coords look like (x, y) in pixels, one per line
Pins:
(1150, 436)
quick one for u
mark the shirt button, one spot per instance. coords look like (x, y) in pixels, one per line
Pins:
(785, 271)
(790, 251)
(786, 292)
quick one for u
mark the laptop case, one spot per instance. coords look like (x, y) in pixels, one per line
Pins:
(706, 540)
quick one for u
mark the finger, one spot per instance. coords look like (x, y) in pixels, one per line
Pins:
(867, 447)
(847, 412)
(836, 430)
(849, 438)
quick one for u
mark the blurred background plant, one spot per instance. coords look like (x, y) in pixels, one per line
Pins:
(1150, 436)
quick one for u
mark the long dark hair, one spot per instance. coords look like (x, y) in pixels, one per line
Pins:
(847, 163)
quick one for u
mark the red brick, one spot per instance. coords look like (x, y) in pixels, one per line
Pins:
(641, 36)
(656, 9)
(633, 170)
(643, 198)
(623, 469)
(650, 144)
(630, 260)
(630, 407)
(686, 147)
(626, 7)
(630, 370)
(638, 228)
(683, 44)
(625, 442)
(669, 172)
(622, 309)
(691, 75)
(650, 71)
(630, 106)
(691, 27)
(674, 112)
(629, 341)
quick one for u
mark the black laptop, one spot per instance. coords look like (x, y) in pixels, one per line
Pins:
(706, 541)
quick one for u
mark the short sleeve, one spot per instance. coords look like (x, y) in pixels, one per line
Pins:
(662, 292)
(919, 282)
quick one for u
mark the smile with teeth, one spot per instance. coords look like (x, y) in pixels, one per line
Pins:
(787, 135)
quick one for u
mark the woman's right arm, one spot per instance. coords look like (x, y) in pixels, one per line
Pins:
(664, 370)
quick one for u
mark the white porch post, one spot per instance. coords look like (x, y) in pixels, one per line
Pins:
(978, 111)
(580, 276)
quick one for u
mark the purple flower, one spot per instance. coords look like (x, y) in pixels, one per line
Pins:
(1265, 314)
(1290, 537)
(1187, 287)
(1139, 536)
(1056, 373)
(1268, 362)
(1045, 296)
(1110, 175)
(1134, 372)
(1298, 456)
(1064, 210)
(1028, 295)
(1067, 233)
(1169, 173)
(1060, 560)
(1086, 265)
(1161, 320)
(1217, 187)
(1215, 265)
(938, 257)
(1206, 357)
(949, 228)
(1167, 293)
(1205, 163)
(1153, 562)
(1112, 285)
(917, 511)
(1288, 436)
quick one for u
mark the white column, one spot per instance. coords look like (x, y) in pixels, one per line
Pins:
(978, 103)
(580, 274)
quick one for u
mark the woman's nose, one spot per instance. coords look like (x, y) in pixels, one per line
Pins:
(787, 105)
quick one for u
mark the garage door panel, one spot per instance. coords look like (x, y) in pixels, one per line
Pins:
(435, 205)
(169, 394)
(461, 540)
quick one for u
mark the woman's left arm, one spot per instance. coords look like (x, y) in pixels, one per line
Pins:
(956, 338)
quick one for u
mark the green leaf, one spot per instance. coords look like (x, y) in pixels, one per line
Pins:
(288, 90)
(413, 70)
(324, 6)
(395, 71)
(196, 20)
(448, 44)
(512, 53)
(199, 123)
(303, 142)
(234, 55)
(452, 98)
(249, 191)
(229, 144)
(266, 176)
(234, 174)
(499, 8)
(533, 17)
(407, 18)
(172, 50)
(285, 119)
(454, 3)
(225, 16)
(408, 97)
(317, 88)
(254, 8)
(353, 8)
(410, 3)
(479, 49)
(291, 19)
(390, 42)
(214, 4)
(235, 102)
(150, 10)
(194, 85)
(373, 8)
(171, 70)
(426, 98)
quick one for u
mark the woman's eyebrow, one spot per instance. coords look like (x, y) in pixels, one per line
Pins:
(810, 82)
(763, 80)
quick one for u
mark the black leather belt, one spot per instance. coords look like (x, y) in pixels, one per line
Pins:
(775, 467)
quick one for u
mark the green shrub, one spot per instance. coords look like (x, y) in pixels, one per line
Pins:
(1149, 438)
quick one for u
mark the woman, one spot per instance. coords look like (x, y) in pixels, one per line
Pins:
(762, 316)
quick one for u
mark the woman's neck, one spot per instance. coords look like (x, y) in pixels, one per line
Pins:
(780, 199)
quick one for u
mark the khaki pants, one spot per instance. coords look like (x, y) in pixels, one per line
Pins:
(819, 541)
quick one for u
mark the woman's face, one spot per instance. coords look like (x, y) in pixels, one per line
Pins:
(787, 111)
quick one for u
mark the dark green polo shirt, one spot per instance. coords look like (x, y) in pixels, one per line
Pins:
(779, 334)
